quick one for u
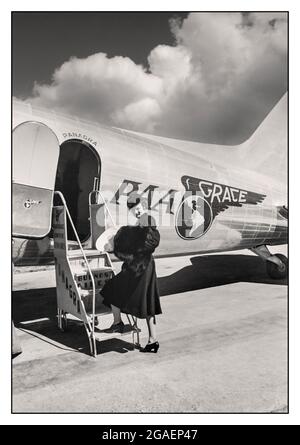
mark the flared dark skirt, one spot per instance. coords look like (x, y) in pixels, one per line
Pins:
(138, 296)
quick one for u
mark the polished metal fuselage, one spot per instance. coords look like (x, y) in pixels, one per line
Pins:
(158, 168)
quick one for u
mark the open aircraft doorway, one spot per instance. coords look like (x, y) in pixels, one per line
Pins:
(78, 166)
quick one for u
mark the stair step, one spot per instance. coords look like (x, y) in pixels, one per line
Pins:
(106, 271)
(89, 293)
(101, 335)
(74, 253)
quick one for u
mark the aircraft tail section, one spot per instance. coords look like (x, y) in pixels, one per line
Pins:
(266, 150)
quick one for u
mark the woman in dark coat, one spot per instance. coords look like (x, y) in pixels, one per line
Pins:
(134, 290)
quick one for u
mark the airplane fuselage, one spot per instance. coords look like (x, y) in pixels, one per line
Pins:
(199, 205)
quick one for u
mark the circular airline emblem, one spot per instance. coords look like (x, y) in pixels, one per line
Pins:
(29, 202)
(194, 217)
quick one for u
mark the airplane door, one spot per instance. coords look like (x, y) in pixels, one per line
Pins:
(78, 166)
(35, 155)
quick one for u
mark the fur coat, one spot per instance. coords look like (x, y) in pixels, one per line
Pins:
(135, 288)
(134, 245)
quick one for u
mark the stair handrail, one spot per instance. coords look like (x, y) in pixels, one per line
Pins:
(83, 254)
(97, 192)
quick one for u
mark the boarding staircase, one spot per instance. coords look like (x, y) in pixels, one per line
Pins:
(81, 272)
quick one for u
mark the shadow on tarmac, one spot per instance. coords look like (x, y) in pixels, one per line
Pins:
(75, 338)
(204, 272)
(216, 270)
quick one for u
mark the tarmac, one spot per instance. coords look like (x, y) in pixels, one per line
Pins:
(223, 345)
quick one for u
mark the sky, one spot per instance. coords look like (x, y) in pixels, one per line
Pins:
(207, 77)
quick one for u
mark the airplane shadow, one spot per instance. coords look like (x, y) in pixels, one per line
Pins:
(204, 271)
(216, 270)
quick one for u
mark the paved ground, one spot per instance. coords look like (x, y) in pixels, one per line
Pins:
(223, 345)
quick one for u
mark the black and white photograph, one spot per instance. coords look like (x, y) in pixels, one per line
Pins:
(149, 197)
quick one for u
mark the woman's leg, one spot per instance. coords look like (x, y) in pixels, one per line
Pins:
(116, 314)
(151, 323)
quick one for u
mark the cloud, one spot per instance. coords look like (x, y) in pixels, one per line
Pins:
(97, 87)
(141, 114)
(224, 72)
(171, 64)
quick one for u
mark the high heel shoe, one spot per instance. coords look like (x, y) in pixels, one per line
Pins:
(151, 347)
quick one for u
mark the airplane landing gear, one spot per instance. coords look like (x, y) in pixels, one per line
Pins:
(276, 265)
(62, 320)
(278, 271)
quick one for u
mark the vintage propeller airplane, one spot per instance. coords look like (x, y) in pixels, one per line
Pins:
(205, 198)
